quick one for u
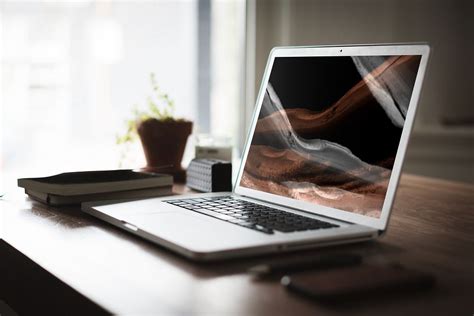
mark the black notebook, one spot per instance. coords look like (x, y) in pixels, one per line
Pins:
(85, 186)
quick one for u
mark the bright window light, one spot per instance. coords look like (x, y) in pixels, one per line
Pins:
(71, 72)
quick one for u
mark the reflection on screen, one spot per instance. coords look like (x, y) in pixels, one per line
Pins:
(329, 128)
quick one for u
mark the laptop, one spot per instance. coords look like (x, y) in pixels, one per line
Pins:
(320, 166)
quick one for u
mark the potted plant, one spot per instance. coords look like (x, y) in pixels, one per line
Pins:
(162, 135)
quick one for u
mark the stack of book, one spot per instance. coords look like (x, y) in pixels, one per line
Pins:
(111, 185)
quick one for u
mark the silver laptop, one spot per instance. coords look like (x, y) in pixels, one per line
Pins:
(321, 163)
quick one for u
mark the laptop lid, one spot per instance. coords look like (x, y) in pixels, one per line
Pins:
(331, 127)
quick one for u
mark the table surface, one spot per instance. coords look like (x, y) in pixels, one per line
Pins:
(431, 229)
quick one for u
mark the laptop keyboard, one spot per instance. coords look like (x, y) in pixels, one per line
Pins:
(250, 215)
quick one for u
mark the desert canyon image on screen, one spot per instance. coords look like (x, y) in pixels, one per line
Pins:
(329, 128)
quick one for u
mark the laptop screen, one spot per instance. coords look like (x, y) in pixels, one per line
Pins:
(329, 128)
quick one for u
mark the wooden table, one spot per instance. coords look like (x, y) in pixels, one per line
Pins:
(431, 229)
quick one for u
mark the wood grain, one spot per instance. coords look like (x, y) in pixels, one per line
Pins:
(431, 229)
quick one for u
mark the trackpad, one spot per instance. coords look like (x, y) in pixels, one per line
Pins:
(194, 232)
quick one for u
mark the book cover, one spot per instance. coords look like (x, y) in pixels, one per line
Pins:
(60, 200)
(92, 182)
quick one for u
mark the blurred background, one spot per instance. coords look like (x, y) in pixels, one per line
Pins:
(71, 72)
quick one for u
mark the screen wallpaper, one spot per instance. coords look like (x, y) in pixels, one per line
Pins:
(329, 128)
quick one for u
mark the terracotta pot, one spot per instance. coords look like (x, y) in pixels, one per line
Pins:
(163, 144)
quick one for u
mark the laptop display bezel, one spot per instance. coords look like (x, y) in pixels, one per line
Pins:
(350, 50)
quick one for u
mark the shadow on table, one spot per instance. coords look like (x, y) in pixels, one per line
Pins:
(28, 289)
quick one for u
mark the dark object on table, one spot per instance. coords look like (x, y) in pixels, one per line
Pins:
(357, 282)
(305, 264)
(76, 187)
(209, 175)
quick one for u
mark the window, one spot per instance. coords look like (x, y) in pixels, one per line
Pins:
(72, 71)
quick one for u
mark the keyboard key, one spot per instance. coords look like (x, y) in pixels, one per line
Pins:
(263, 229)
(250, 215)
(239, 221)
(213, 214)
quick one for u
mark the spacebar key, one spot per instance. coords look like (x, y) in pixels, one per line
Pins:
(213, 214)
